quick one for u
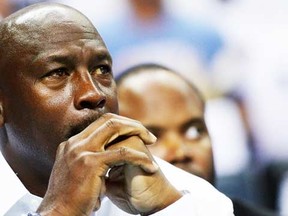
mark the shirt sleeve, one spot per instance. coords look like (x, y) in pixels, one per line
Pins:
(202, 199)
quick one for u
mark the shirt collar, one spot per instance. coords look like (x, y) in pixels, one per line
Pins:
(11, 188)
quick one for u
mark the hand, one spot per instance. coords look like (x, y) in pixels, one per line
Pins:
(133, 189)
(77, 181)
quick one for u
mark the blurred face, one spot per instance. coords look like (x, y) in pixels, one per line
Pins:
(173, 112)
(55, 86)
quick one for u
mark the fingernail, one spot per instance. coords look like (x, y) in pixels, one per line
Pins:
(153, 137)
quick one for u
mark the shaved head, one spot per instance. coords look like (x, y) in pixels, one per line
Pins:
(37, 25)
(172, 108)
(54, 69)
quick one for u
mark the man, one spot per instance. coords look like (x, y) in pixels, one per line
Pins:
(159, 34)
(5, 8)
(58, 133)
(173, 110)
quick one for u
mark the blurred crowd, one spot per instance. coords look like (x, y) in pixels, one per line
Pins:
(235, 52)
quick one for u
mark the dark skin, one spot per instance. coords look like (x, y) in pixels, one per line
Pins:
(174, 111)
(57, 96)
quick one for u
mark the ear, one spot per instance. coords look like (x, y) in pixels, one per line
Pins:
(1, 111)
(1, 116)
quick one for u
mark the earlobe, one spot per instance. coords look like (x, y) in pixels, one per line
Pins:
(1, 115)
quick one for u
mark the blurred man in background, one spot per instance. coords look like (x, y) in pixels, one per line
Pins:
(173, 109)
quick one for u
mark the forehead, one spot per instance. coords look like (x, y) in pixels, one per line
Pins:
(33, 34)
(160, 84)
(158, 96)
(47, 27)
(171, 93)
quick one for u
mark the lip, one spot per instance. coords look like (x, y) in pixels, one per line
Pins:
(84, 122)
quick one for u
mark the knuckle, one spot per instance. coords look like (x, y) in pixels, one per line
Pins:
(110, 123)
(106, 116)
(72, 150)
(84, 160)
(123, 151)
(63, 148)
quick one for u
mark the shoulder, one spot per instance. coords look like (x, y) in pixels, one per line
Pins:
(201, 192)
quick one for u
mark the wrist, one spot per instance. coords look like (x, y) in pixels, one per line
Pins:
(168, 197)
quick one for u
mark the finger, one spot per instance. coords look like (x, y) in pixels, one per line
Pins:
(125, 155)
(135, 144)
(118, 195)
(114, 129)
(110, 116)
(98, 163)
(97, 204)
(116, 173)
(102, 194)
(117, 190)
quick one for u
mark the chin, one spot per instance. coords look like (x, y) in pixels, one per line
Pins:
(192, 170)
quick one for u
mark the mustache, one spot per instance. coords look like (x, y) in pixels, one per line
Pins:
(85, 122)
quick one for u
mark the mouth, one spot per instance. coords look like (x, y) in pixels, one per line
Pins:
(190, 167)
(81, 125)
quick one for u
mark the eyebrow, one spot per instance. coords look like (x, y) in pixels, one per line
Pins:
(60, 58)
(194, 121)
(99, 55)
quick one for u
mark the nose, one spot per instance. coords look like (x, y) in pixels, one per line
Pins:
(88, 94)
(175, 147)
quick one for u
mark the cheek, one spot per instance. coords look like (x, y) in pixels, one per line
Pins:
(34, 120)
(203, 153)
(50, 111)
(158, 150)
(111, 100)
(53, 102)
(53, 107)
(112, 105)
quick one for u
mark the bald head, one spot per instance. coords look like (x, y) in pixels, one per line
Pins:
(33, 28)
(144, 79)
(35, 22)
(173, 110)
(55, 78)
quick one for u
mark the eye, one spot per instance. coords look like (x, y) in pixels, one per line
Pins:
(56, 77)
(101, 70)
(194, 132)
(57, 73)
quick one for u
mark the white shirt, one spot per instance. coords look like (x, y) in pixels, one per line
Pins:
(283, 195)
(202, 199)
